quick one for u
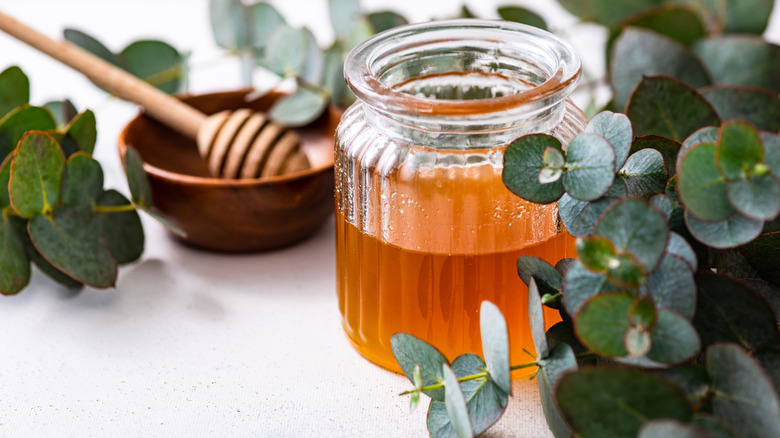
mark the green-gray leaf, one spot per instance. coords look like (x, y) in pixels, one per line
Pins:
(580, 284)
(769, 358)
(668, 148)
(756, 197)
(16, 123)
(264, 18)
(616, 128)
(756, 105)
(727, 311)
(580, 217)
(731, 232)
(640, 52)
(551, 369)
(742, 60)
(523, 160)
(63, 111)
(739, 149)
(547, 278)
(229, 25)
(137, 180)
(745, 16)
(495, 345)
(155, 62)
(123, 231)
(286, 51)
(667, 107)
(486, 402)
(632, 225)
(644, 173)
(536, 320)
(708, 134)
(36, 175)
(521, 15)
(410, 351)
(43, 265)
(674, 339)
(333, 74)
(590, 167)
(80, 134)
(455, 402)
(70, 244)
(82, 183)
(607, 12)
(602, 322)
(313, 66)
(772, 152)
(760, 253)
(672, 286)
(384, 20)
(702, 188)
(14, 265)
(670, 428)
(14, 89)
(5, 177)
(744, 395)
(343, 13)
(300, 108)
(92, 45)
(616, 402)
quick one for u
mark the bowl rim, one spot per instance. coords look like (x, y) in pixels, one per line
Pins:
(122, 145)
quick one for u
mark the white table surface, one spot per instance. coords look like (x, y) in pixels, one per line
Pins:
(193, 343)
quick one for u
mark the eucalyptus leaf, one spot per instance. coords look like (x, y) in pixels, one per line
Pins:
(332, 79)
(664, 204)
(485, 401)
(739, 149)
(155, 62)
(579, 285)
(313, 67)
(595, 252)
(547, 278)
(731, 263)
(410, 351)
(523, 160)
(82, 183)
(668, 148)
(756, 197)
(744, 395)
(122, 230)
(14, 89)
(286, 51)
(5, 177)
(731, 232)
(702, 188)
(16, 123)
(741, 60)
(590, 167)
(727, 311)
(536, 320)
(639, 53)
(714, 426)
(616, 402)
(21, 226)
(560, 361)
(769, 358)
(171, 224)
(63, 111)
(300, 108)
(360, 31)
(607, 12)
(264, 18)
(644, 172)
(667, 107)
(672, 285)
(627, 271)
(768, 291)
(755, 105)
(521, 15)
(455, 403)
(674, 339)
(229, 25)
(634, 226)
(495, 345)
(385, 20)
(70, 244)
(680, 247)
(602, 322)
(36, 175)
(92, 45)
(746, 16)
(760, 253)
(343, 13)
(616, 128)
(137, 180)
(580, 217)
(692, 379)
(14, 264)
(708, 134)
(80, 134)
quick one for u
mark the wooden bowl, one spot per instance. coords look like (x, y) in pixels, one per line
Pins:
(235, 215)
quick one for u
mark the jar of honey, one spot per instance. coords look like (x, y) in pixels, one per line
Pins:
(425, 228)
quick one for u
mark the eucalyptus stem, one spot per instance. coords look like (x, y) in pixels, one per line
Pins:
(114, 208)
(466, 378)
(247, 66)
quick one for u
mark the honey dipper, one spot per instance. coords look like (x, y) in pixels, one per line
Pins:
(234, 144)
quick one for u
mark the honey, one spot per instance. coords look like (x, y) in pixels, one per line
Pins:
(425, 228)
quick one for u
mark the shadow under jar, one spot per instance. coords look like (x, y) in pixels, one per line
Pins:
(425, 228)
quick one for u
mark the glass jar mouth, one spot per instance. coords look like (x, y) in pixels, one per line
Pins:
(379, 66)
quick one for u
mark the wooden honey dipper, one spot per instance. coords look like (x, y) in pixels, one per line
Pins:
(234, 144)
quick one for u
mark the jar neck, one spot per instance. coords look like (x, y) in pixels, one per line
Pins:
(463, 84)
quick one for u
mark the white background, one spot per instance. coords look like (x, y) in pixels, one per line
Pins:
(193, 343)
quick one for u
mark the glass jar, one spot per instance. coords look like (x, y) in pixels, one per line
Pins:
(425, 228)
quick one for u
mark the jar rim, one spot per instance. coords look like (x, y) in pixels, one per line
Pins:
(369, 88)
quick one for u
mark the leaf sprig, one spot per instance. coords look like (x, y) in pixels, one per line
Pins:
(56, 212)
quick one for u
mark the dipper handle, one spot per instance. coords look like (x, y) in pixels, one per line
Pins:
(169, 110)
